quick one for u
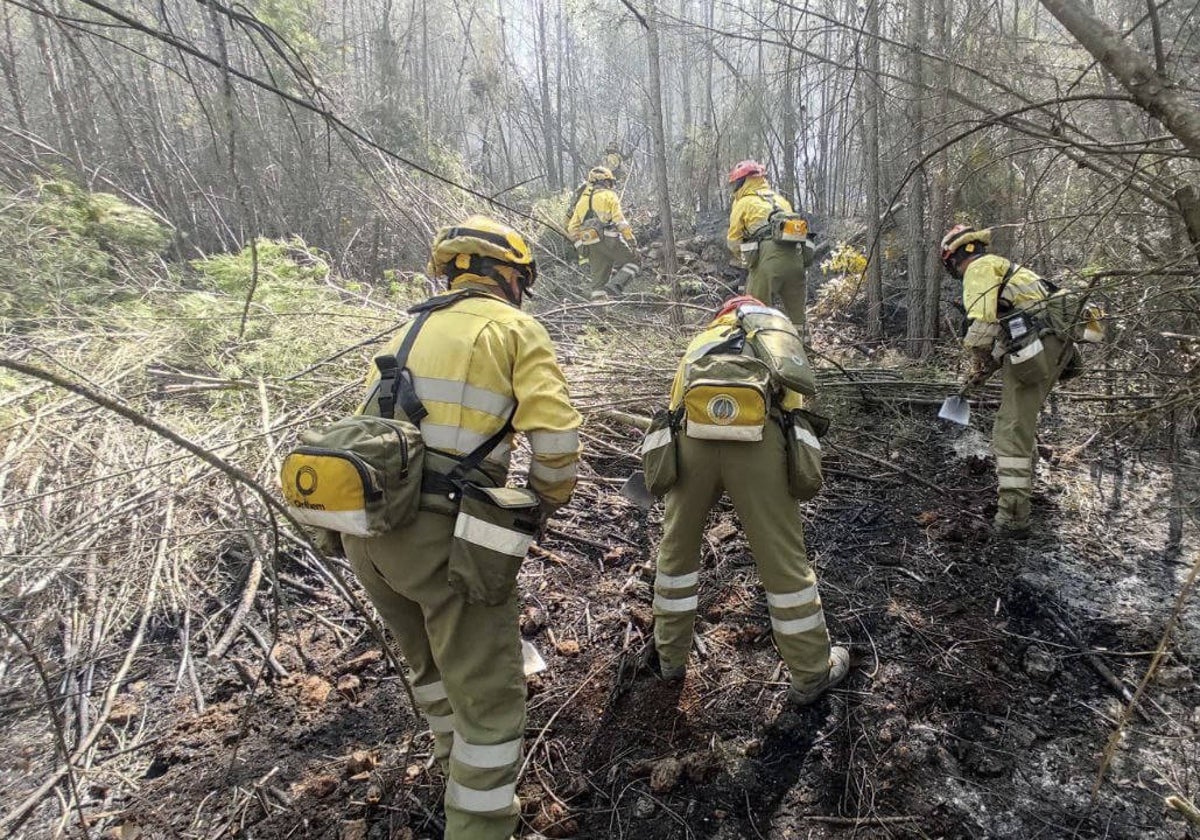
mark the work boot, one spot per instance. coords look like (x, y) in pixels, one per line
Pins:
(671, 673)
(1010, 529)
(622, 277)
(665, 671)
(839, 666)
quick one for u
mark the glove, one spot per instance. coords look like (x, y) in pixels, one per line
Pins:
(983, 365)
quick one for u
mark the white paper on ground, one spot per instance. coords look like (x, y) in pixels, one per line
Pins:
(534, 664)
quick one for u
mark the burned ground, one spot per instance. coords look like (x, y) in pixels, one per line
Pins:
(975, 708)
(988, 675)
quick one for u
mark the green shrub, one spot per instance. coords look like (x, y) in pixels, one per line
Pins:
(289, 271)
(65, 251)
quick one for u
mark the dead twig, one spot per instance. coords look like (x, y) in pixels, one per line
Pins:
(1115, 739)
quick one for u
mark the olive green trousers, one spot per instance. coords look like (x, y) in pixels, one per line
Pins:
(755, 476)
(1014, 435)
(466, 670)
(777, 279)
(613, 264)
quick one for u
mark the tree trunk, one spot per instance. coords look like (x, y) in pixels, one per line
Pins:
(917, 340)
(67, 141)
(788, 105)
(549, 146)
(8, 63)
(1155, 93)
(670, 264)
(873, 98)
(938, 209)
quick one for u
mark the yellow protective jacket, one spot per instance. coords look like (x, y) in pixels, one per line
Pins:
(981, 289)
(715, 333)
(602, 204)
(752, 205)
(476, 360)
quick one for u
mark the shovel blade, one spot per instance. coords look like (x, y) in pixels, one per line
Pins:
(634, 489)
(956, 409)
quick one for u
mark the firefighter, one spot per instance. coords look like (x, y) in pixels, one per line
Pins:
(749, 462)
(603, 236)
(613, 160)
(776, 267)
(1018, 323)
(479, 366)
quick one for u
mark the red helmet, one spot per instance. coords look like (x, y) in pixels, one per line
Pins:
(735, 303)
(745, 169)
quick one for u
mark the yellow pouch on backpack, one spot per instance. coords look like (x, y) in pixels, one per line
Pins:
(586, 236)
(358, 476)
(726, 397)
(789, 229)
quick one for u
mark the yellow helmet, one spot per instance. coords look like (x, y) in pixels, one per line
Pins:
(600, 173)
(485, 248)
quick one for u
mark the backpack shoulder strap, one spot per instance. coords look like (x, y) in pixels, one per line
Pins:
(591, 194)
(1008, 275)
(395, 380)
(769, 195)
(475, 457)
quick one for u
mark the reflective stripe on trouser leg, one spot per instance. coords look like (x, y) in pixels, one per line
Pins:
(483, 777)
(432, 700)
(621, 277)
(1014, 437)
(757, 482)
(802, 639)
(479, 651)
(382, 565)
(676, 578)
(675, 602)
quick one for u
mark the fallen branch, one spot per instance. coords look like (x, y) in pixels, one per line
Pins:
(1115, 739)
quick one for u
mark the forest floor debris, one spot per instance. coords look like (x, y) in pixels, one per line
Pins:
(988, 675)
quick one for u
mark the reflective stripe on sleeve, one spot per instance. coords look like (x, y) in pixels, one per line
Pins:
(1011, 481)
(656, 440)
(480, 801)
(477, 531)
(553, 474)
(440, 724)
(554, 443)
(666, 581)
(485, 756)
(665, 604)
(790, 627)
(806, 437)
(783, 600)
(468, 396)
(429, 693)
(1008, 462)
